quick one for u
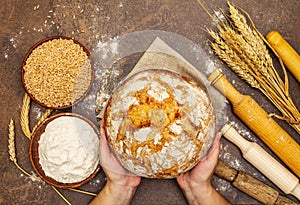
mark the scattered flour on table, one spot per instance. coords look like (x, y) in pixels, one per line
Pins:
(210, 67)
(244, 132)
(13, 42)
(219, 16)
(68, 149)
(95, 183)
(37, 111)
(222, 185)
(229, 158)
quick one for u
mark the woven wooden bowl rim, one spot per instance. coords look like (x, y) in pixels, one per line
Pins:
(40, 43)
(34, 154)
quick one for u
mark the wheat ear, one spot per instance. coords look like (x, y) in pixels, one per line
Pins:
(243, 48)
(24, 121)
(231, 58)
(276, 90)
(11, 141)
(24, 116)
(13, 158)
(12, 149)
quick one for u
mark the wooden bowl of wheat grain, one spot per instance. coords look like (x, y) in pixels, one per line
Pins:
(57, 72)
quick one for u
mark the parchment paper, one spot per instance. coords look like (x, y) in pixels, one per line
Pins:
(160, 55)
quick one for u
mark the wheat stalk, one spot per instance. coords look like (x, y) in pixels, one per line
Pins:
(243, 48)
(260, 55)
(252, 38)
(13, 158)
(60, 194)
(26, 129)
(24, 121)
(12, 149)
(230, 57)
(262, 47)
(24, 116)
(83, 192)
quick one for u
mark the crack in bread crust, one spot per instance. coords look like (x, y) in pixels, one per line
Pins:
(159, 123)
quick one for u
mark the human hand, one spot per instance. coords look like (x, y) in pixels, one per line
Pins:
(112, 168)
(196, 184)
(121, 184)
(201, 174)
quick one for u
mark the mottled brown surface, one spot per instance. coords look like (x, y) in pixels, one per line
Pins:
(22, 26)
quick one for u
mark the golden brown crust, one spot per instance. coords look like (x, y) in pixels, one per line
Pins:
(159, 123)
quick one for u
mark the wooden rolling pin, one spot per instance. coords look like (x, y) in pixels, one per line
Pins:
(264, 162)
(248, 110)
(286, 52)
(251, 186)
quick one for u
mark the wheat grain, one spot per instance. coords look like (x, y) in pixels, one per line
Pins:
(24, 116)
(58, 72)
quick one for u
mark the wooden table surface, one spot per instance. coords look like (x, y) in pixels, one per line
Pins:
(101, 25)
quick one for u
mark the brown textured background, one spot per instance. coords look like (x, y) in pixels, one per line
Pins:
(22, 26)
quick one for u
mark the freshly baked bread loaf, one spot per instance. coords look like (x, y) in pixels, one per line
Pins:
(159, 123)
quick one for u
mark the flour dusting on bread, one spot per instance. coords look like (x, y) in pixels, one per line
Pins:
(159, 123)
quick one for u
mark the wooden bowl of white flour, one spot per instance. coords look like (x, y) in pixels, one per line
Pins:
(64, 150)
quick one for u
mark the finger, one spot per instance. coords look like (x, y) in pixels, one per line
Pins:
(108, 160)
(214, 154)
(104, 147)
(217, 139)
(102, 124)
(215, 145)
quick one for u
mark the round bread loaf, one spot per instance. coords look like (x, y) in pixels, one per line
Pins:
(159, 123)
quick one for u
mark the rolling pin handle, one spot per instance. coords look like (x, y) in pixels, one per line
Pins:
(232, 135)
(258, 120)
(264, 162)
(215, 76)
(296, 192)
(286, 52)
(218, 79)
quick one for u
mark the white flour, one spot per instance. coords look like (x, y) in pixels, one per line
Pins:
(68, 149)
